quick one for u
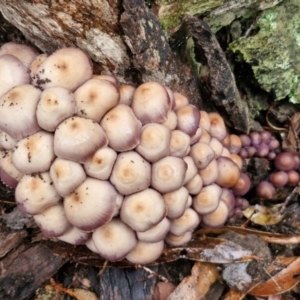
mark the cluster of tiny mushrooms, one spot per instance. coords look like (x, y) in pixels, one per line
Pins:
(119, 168)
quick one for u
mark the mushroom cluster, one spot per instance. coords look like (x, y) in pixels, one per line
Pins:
(121, 169)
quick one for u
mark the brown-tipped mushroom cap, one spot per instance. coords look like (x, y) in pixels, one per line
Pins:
(95, 98)
(78, 138)
(168, 174)
(210, 173)
(154, 142)
(56, 105)
(122, 128)
(35, 193)
(126, 94)
(145, 253)
(171, 121)
(188, 118)
(151, 103)
(131, 173)
(18, 111)
(242, 186)
(179, 143)
(208, 199)
(191, 171)
(91, 205)
(53, 221)
(202, 154)
(68, 68)
(194, 186)
(217, 218)
(66, 175)
(217, 126)
(114, 240)
(204, 120)
(174, 240)
(176, 202)
(156, 233)
(143, 210)
(34, 154)
(228, 172)
(101, 163)
(187, 222)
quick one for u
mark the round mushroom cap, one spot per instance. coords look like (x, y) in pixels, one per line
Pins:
(34, 193)
(35, 153)
(66, 175)
(95, 98)
(18, 111)
(68, 68)
(151, 103)
(114, 240)
(168, 174)
(176, 241)
(145, 253)
(24, 53)
(131, 173)
(78, 138)
(156, 233)
(91, 205)
(143, 210)
(228, 172)
(53, 221)
(217, 218)
(12, 73)
(188, 118)
(56, 105)
(217, 126)
(75, 236)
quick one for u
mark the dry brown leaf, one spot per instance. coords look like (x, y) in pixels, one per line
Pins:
(234, 295)
(198, 284)
(283, 281)
(274, 238)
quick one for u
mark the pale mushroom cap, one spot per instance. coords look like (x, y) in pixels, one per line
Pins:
(204, 120)
(217, 126)
(9, 169)
(168, 174)
(187, 222)
(145, 253)
(78, 138)
(122, 128)
(56, 105)
(210, 173)
(151, 103)
(95, 98)
(35, 64)
(191, 171)
(35, 153)
(18, 111)
(202, 154)
(208, 199)
(106, 77)
(12, 73)
(188, 118)
(75, 236)
(156, 233)
(6, 141)
(154, 142)
(101, 163)
(91, 205)
(228, 172)
(174, 240)
(35, 193)
(194, 186)
(53, 221)
(114, 240)
(126, 94)
(24, 53)
(176, 202)
(66, 175)
(217, 146)
(179, 143)
(131, 173)
(205, 137)
(218, 217)
(180, 100)
(196, 137)
(171, 121)
(68, 68)
(143, 210)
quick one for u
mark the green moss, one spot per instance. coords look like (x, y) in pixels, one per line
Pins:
(171, 12)
(273, 52)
